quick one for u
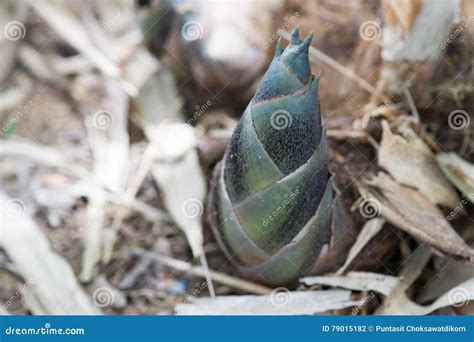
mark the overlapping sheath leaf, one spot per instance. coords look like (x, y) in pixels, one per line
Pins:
(271, 201)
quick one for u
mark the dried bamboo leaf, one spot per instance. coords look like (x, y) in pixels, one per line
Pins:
(449, 274)
(280, 302)
(53, 284)
(158, 99)
(52, 157)
(457, 296)
(370, 229)
(410, 161)
(407, 209)
(398, 302)
(108, 132)
(459, 171)
(109, 139)
(178, 172)
(180, 178)
(141, 68)
(360, 281)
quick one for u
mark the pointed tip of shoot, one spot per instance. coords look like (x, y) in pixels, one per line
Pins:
(304, 46)
(295, 36)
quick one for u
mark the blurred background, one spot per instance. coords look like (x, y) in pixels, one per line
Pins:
(113, 114)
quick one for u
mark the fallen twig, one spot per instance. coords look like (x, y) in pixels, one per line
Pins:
(199, 271)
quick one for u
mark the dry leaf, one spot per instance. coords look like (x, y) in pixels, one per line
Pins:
(180, 179)
(411, 162)
(407, 209)
(457, 296)
(449, 274)
(280, 302)
(370, 229)
(398, 302)
(176, 170)
(360, 281)
(158, 98)
(459, 171)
